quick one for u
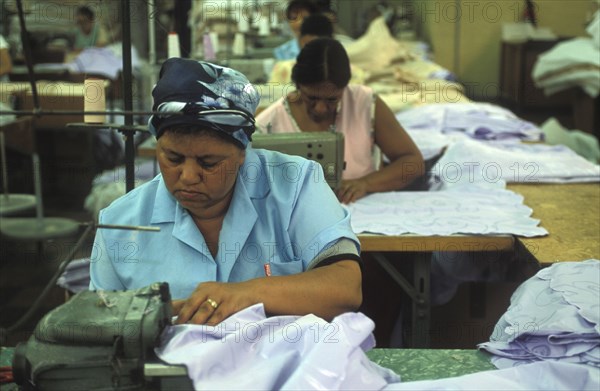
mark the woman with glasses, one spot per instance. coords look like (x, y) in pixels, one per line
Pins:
(324, 101)
(238, 226)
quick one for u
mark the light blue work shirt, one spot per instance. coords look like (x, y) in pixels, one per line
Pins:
(287, 51)
(282, 213)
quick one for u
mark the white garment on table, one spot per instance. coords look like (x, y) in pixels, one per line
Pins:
(553, 316)
(468, 209)
(250, 351)
(470, 161)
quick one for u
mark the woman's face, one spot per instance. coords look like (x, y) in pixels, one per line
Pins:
(199, 170)
(84, 23)
(296, 19)
(320, 100)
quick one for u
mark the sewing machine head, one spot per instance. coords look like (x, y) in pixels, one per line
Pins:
(96, 340)
(326, 148)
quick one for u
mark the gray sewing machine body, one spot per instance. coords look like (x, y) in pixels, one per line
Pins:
(326, 148)
(101, 340)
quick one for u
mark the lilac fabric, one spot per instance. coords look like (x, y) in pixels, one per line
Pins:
(471, 161)
(555, 315)
(106, 61)
(481, 121)
(543, 375)
(76, 277)
(250, 351)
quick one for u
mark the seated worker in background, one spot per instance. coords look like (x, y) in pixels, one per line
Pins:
(5, 59)
(89, 33)
(323, 101)
(295, 13)
(229, 215)
(313, 26)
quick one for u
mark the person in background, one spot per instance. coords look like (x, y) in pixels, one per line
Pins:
(5, 59)
(89, 33)
(295, 13)
(235, 228)
(323, 101)
(314, 26)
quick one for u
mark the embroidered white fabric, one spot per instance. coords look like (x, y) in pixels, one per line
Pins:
(468, 209)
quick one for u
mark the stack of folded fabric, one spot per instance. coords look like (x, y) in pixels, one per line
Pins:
(553, 316)
(572, 63)
(76, 277)
(480, 121)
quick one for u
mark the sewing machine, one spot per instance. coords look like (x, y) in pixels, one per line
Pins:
(101, 340)
(326, 148)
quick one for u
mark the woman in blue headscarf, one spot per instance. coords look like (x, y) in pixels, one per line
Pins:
(238, 226)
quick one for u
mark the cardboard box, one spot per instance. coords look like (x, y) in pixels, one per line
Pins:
(53, 96)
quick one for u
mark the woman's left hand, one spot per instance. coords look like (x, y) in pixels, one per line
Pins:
(212, 302)
(352, 190)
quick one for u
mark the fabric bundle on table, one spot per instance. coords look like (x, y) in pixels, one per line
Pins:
(76, 277)
(553, 316)
(470, 161)
(462, 209)
(573, 63)
(545, 375)
(250, 351)
(481, 121)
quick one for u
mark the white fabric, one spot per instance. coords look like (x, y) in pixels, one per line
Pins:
(537, 376)
(575, 62)
(250, 351)
(375, 49)
(467, 209)
(468, 161)
(76, 277)
(433, 127)
(430, 143)
(106, 61)
(483, 121)
(555, 315)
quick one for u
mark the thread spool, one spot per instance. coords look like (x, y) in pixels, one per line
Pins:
(263, 26)
(94, 99)
(243, 25)
(214, 38)
(173, 45)
(239, 44)
(209, 52)
(274, 20)
(255, 21)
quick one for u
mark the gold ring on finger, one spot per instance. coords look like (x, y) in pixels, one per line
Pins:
(212, 303)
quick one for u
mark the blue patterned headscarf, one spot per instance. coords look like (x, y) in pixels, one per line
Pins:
(206, 95)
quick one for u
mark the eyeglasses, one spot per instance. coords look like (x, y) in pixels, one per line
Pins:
(312, 98)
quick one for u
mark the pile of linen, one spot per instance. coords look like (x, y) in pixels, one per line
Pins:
(553, 316)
